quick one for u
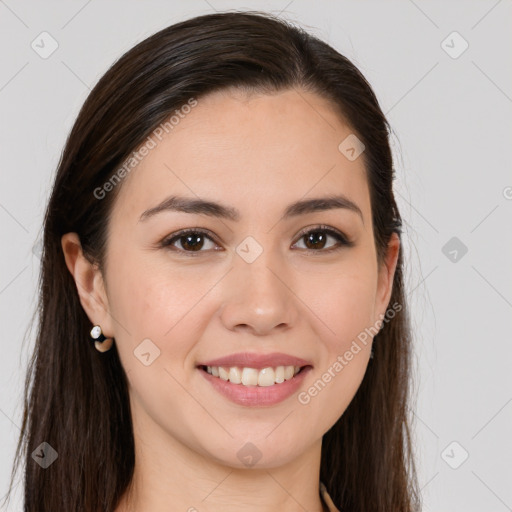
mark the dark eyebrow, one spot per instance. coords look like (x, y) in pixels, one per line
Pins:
(213, 209)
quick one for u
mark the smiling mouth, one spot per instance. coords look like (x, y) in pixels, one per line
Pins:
(247, 376)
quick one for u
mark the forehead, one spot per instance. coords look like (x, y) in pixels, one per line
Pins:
(247, 150)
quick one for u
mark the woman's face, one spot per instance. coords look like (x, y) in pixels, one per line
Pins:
(253, 282)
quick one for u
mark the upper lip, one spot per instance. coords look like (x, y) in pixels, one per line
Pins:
(258, 361)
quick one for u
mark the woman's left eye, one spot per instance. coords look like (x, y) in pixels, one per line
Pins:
(318, 237)
(193, 240)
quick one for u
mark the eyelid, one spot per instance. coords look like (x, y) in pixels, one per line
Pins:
(327, 229)
(168, 240)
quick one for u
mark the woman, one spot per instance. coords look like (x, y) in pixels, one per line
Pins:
(223, 322)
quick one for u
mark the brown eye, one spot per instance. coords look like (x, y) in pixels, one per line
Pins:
(192, 242)
(315, 240)
(189, 241)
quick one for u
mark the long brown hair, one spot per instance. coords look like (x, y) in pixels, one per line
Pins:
(76, 399)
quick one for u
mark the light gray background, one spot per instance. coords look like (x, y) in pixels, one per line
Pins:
(452, 120)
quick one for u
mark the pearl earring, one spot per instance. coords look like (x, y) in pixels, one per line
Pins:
(101, 343)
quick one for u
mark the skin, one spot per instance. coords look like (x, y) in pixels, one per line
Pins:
(240, 150)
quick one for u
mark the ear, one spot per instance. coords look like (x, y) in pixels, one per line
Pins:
(386, 276)
(89, 283)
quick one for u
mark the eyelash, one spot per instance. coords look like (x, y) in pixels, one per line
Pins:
(340, 237)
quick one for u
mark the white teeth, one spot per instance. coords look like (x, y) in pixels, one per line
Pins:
(267, 377)
(235, 375)
(223, 374)
(249, 377)
(252, 376)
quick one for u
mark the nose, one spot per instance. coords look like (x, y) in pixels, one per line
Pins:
(259, 297)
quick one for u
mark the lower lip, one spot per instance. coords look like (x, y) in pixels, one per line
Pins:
(252, 396)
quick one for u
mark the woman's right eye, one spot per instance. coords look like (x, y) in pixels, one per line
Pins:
(191, 241)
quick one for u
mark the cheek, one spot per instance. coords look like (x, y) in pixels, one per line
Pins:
(165, 301)
(342, 299)
(344, 304)
(154, 301)
(159, 304)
